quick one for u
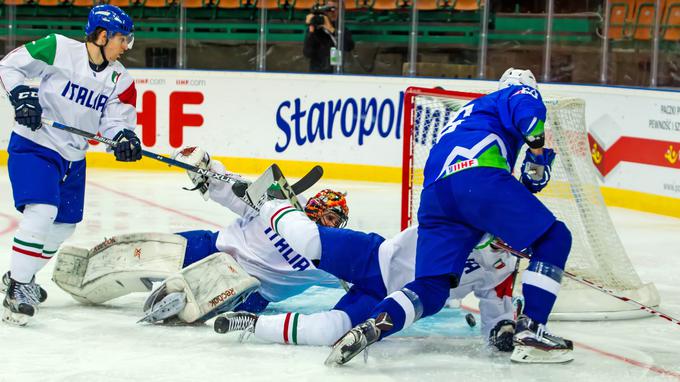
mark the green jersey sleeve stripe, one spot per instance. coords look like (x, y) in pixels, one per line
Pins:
(538, 129)
(44, 49)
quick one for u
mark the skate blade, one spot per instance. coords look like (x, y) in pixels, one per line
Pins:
(170, 305)
(12, 318)
(530, 354)
(337, 356)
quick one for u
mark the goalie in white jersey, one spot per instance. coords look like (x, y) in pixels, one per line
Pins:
(376, 267)
(81, 85)
(205, 272)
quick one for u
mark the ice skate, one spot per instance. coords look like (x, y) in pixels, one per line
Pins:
(534, 344)
(358, 339)
(19, 304)
(235, 321)
(37, 292)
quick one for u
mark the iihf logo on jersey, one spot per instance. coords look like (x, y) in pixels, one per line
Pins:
(84, 96)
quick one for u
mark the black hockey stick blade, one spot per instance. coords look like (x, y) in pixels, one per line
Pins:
(302, 185)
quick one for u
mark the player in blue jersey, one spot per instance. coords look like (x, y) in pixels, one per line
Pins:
(469, 190)
(376, 267)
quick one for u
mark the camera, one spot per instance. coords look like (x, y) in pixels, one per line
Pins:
(319, 12)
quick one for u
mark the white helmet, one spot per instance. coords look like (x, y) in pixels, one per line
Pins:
(514, 76)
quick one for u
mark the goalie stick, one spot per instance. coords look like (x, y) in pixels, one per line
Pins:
(306, 182)
(591, 284)
(257, 193)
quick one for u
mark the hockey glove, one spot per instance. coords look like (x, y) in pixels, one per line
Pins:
(27, 109)
(128, 147)
(501, 335)
(536, 170)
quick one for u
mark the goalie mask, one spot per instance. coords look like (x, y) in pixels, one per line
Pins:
(513, 77)
(324, 205)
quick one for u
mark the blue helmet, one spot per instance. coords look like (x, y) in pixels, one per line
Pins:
(111, 18)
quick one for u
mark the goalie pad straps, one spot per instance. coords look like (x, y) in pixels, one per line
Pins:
(118, 266)
(213, 285)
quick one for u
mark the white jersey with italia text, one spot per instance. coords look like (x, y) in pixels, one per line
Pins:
(264, 254)
(486, 274)
(71, 92)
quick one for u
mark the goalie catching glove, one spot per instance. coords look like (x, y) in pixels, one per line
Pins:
(197, 157)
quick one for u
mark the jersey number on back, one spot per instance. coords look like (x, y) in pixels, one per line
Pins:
(460, 118)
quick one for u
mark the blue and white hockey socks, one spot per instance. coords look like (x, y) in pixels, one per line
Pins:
(541, 280)
(28, 252)
(420, 298)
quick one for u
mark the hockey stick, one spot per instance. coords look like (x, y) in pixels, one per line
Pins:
(307, 181)
(602, 289)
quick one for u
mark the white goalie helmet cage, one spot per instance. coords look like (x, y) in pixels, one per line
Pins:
(514, 76)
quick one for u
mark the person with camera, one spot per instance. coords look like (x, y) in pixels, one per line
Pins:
(321, 39)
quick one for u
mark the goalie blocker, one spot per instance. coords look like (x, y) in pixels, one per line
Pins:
(130, 263)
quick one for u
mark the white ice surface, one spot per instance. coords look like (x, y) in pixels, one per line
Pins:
(68, 341)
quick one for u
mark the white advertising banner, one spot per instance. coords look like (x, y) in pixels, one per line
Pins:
(634, 133)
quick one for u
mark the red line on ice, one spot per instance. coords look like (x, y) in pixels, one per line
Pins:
(629, 361)
(13, 224)
(154, 204)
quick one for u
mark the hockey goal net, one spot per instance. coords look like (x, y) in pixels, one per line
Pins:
(573, 195)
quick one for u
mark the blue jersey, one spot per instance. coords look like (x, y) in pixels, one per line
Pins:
(488, 132)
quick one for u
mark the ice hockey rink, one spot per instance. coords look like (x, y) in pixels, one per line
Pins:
(68, 341)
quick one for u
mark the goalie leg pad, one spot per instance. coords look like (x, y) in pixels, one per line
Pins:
(213, 285)
(118, 266)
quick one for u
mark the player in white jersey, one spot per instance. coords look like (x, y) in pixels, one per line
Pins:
(263, 254)
(376, 267)
(81, 85)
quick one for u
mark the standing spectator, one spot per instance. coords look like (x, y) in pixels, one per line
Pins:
(321, 44)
